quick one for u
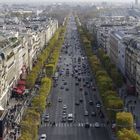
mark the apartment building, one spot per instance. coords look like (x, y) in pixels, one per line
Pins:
(138, 75)
(132, 61)
(17, 55)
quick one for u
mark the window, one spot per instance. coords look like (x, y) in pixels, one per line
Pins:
(11, 65)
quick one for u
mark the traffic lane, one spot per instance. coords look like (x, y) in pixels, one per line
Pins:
(86, 137)
(79, 108)
(72, 133)
(52, 108)
(100, 134)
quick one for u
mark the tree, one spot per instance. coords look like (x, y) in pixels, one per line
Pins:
(32, 115)
(30, 80)
(124, 120)
(25, 136)
(113, 104)
(126, 134)
(116, 76)
(104, 83)
(39, 103)
(49, 70)
(101, 73)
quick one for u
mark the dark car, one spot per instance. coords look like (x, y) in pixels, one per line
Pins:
(76, 83)
(81, 88)
(77, 103)
(65, 83)
(79, 79)
(81, 100)
(86, 93)
(67, 89)
(94, 88)
(91, 102)
(87, 125)
(93, 114)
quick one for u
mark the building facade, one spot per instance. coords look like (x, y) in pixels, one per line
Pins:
(17, 58)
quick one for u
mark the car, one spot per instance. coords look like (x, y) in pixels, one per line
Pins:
(64, 107)
(67, 89)
(98, 105)
(61, 87)
(70, 117)
(88, 86)
(86, 113)
(94, 89)
(87, 125)
(59, 99)
(91, 102)
(97, 125)
(77, 103)
(65, 83)
(79, 79)
(76, 77)
(64, 119)
(84, 85)
(86, 93)
(43, 137)
(64, 113)
(76, 83)
(49, 103)
(81, 88)
(93, 113)
(81, 100)
(46, 118)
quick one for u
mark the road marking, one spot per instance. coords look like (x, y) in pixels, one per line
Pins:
(71, 125)
(82, 124)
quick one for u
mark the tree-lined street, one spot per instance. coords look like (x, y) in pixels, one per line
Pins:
(74, 92)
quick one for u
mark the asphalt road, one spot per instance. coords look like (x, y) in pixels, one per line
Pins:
(75, 130)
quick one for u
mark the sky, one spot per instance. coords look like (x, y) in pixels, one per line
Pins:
(29, 1)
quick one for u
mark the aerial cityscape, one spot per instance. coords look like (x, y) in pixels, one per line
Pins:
(69, 70)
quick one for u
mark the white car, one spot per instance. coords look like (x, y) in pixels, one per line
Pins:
(64, 107)
(98, 105)
(43, 137)
(70, 117)
(97, 125)
(46, 118)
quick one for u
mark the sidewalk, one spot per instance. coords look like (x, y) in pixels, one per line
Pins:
(131, 104)
(16, 108)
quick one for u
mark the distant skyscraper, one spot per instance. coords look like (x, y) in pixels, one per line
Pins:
(136, 2)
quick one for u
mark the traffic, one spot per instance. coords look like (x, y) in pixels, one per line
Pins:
(76, 111)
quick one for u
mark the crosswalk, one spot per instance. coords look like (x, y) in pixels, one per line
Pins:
(71, 125)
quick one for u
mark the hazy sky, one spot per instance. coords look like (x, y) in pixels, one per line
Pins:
(26, 1)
